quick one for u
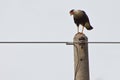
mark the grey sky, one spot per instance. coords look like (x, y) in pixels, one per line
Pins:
(43, 20)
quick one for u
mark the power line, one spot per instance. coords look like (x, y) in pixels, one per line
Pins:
(104, 42)
(30, 42)
(53, 42)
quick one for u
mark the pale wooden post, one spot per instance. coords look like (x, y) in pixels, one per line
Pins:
(81, 61)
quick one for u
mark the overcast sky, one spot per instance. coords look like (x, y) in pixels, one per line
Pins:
(49, 20)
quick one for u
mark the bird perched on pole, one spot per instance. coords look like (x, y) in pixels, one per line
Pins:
(81, 18)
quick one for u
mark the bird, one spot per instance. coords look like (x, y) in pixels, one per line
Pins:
(81, 18)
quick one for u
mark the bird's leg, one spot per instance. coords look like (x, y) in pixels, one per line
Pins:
(78, 29)
(82, 29)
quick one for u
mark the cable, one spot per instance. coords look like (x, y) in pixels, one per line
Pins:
(31, 42)
(53, 42)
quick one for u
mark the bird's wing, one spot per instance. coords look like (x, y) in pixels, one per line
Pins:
(86, 19)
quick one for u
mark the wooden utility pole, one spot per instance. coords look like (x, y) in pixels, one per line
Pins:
(81, 61)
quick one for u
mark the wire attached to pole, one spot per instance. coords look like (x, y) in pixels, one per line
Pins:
(53, 42)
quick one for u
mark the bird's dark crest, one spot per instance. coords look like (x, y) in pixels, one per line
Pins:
(71, 10)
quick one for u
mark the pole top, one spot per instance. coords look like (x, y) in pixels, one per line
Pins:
(80, 37)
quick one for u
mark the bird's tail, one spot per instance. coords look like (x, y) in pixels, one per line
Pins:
(88, 26)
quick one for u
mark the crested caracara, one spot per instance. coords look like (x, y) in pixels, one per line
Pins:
(81, 18)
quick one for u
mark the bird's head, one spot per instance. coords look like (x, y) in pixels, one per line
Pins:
(72, 12)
